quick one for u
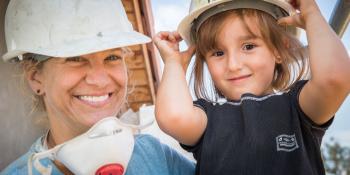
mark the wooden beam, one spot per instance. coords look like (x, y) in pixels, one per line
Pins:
(149, 26)
(144, 49)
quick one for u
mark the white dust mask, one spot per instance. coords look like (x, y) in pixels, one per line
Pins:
(105, 148)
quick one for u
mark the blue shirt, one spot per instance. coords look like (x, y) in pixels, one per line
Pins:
(149, 157)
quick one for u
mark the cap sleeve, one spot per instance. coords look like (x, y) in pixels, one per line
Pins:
(317, 130)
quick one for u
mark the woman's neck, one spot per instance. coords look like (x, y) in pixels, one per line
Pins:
(62, 168)
(50, 141)
(62, 131)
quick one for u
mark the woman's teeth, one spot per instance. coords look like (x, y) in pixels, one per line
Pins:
(94, 99)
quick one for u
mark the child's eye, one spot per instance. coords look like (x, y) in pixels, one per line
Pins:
(218, 53)
(74, 59)
(113, 58)
(248, 46)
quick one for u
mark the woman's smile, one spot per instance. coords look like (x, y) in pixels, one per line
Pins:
(95, 101)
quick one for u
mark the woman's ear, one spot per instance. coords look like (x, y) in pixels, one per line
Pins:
(35, 81)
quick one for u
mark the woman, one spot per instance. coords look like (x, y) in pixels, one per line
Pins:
(73, 58)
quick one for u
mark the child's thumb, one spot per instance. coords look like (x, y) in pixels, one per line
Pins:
(289, 20)
(190, 52)
(294, 20)
(187, 55)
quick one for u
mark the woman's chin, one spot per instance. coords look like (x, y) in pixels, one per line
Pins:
(91, 118)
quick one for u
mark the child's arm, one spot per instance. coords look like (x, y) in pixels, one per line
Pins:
(329, 62)
(175, 112)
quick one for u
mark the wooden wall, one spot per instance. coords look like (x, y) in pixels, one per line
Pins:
(143, 68)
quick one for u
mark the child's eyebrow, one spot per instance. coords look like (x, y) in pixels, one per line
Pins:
(248, 37)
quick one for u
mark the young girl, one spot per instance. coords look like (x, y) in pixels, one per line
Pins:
(272, 121)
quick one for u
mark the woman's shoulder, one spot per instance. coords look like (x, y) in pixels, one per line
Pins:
(148, 143)
(161, 158)
(152, 146)
(146, 138)
(18, 166)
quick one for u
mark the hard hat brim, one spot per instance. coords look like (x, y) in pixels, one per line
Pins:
(185, 25)
(84, 46)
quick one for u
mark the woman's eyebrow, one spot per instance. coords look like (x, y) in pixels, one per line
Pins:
(115, 50)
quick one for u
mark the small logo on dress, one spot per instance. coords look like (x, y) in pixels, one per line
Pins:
(286, 143)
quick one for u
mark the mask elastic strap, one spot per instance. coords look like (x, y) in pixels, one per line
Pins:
(36, 157)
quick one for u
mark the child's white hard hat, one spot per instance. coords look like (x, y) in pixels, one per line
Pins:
(57, 28)
(201, 10)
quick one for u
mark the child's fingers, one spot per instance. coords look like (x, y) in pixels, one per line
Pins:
(295, 3)
(177, 36)
(163, 38)
(168, 36)
(285, 20)
(160, 40)
(163, 35)
(172, 38)
(294, 20)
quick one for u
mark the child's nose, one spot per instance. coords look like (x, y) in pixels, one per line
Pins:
(234, 62)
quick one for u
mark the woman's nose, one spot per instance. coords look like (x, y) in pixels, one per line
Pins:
(98, 75)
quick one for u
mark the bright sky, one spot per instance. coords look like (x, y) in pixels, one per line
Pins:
(168, 13)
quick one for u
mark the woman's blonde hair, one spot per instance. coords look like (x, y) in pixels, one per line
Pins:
(293, 66)
(28, 65)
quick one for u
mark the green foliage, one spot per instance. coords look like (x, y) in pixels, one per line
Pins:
(336, 158)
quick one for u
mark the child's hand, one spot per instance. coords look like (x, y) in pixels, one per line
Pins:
(168, 46)
(305, 9)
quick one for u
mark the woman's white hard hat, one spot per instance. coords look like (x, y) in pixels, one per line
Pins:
(59, 28)
(200, 10)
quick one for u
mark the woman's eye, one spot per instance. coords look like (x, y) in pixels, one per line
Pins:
(248, 46)
(113, 58)
(75, 59)
(218, 53)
